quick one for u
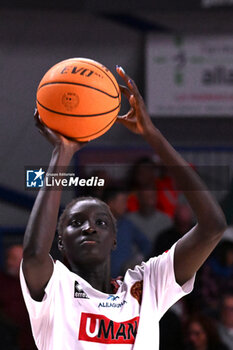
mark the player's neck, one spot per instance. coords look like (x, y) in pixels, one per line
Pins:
(98, 277)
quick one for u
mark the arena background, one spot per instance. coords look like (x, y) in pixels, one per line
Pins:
(35, 36)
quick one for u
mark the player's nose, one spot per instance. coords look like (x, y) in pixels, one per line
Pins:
(88, 227)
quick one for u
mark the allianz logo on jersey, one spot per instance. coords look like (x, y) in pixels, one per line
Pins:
(112, 302)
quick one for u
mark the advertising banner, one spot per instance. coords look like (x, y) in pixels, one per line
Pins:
(216, 3)
(189, 76)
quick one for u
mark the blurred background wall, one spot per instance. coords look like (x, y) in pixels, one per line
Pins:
(35, 37)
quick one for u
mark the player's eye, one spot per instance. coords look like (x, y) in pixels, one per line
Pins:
(101, 222)
(75, 223)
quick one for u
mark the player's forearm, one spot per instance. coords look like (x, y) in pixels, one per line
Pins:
(42, 223)
(208, 212)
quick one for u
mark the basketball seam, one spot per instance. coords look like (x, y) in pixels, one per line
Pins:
(92, 64)
(84, 85)
(78, 115)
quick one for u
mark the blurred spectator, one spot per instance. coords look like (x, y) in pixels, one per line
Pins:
(201, 334)
(132, 245)
(183, 222)
(145, 174)
(147, 219)
(167, 196)
(13, 309)
(225, 326)
(215, 277)
(142, 175)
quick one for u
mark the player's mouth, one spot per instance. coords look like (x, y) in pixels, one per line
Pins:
(87, 241)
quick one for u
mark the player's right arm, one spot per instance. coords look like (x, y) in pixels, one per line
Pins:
(37, 264)
(197, 244)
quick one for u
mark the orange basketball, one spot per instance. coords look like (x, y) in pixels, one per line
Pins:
(79, 98)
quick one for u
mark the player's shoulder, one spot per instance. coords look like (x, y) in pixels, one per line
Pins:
(61, 269)
(152, 263)
(138, 272)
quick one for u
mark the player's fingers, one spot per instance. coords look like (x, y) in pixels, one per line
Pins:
(134, 102)
(38, 121)
(122, 74)
(129, 123)
(36, 117)
(125, 91)
(36, 113)
(134, 88)
(127, 116)
(123, 120)
(129, 82)
(38, 124)
(42, 128)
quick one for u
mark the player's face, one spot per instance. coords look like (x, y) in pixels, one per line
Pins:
(88, 234)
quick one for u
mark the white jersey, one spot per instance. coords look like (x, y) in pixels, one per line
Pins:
(75, 316)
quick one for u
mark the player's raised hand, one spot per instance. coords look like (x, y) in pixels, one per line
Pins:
(137, 119)
(54, 137)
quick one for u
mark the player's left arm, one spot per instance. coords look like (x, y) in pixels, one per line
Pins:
(195, 246)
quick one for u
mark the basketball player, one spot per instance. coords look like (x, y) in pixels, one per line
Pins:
(80, 307)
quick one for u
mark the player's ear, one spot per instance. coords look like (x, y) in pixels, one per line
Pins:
(114, 246)
(60, 244)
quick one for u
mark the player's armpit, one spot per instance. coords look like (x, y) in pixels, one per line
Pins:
(37, 276)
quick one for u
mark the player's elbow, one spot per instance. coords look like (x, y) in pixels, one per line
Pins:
(220, 224)
(216, 227)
